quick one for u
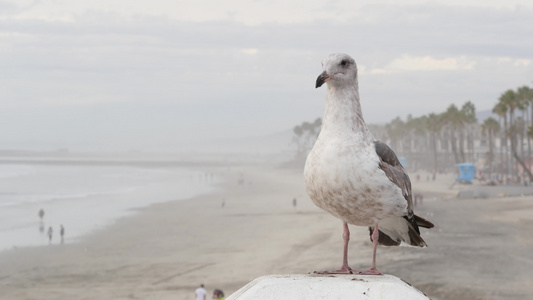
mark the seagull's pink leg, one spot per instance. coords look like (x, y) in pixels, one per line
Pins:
(345, 269)
(375, 238)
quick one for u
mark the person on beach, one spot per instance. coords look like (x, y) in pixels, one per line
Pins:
(294, 202)
(50, 233)
(41, 224)
(218, 294)
(200, 292)
(62, 232)
(223, 202)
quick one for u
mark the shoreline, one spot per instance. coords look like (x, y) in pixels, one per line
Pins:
(82, 210)
(168, 249)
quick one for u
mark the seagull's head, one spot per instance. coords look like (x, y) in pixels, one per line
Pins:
(339, 69)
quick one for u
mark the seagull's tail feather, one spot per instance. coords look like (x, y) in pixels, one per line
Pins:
(384, 239)
(423, 222)
(393, 231)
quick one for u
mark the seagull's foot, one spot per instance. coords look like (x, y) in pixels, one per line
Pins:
(371, 271)
(342, 271)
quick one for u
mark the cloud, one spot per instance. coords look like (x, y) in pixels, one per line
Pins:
(408, 63)
(522, 62)
(252, 71)
(514, 61)
(249, 51)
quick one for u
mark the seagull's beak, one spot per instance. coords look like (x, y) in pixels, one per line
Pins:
(322, 78)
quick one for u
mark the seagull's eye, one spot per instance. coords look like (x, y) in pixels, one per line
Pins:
(344, 63)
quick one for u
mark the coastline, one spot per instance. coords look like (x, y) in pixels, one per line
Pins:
(85, 198)
(167, 249)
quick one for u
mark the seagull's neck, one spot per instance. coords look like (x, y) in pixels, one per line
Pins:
(343, 112)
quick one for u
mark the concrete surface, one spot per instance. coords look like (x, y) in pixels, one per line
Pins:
(313, 286)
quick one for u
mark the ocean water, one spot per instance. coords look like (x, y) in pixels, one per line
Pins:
(83, 198)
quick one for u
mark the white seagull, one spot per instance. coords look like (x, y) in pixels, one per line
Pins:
(355, 177)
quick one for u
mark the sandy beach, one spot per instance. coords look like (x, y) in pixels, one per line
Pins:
(479, 248)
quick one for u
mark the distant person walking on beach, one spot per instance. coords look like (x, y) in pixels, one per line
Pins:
(62, 232)
(223, 202)
(41, 224)
(218, 294)
(50, 233)
(294, 202)
(201, 293)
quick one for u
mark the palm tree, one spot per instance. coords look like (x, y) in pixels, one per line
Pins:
(500, 109)
(520, 125)
(298, 140)
(305, 136)
(454, 123)
(468, 112)
(434, 124)
(395, 131)
(511, 101)
(525, 96)
(491, 126)
(418, 139)
(518, 159)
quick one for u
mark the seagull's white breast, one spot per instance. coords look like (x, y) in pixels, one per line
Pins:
(343, 177)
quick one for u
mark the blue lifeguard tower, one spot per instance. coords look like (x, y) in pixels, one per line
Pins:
(467, 172)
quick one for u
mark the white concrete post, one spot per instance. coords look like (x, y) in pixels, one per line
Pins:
(314, 286)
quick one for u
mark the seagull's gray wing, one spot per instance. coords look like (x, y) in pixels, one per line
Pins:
(393, 169)
(390, 164)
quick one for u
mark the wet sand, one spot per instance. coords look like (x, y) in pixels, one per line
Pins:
(479, 249)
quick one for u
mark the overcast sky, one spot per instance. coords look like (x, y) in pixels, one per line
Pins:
(150, 75)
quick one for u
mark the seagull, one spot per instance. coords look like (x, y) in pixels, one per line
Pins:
(355, 177)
